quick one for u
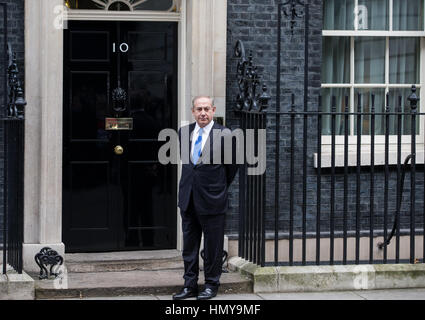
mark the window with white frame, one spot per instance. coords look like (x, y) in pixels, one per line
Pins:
(372, 47)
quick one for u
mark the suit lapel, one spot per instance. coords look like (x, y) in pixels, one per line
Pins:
(191, 132)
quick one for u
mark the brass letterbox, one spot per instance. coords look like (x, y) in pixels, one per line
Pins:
(118, 123)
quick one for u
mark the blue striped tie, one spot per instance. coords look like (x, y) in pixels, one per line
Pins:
(198, 147)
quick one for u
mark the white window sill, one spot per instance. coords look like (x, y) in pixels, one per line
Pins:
(365, 158)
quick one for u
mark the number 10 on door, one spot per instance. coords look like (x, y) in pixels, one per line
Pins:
(123, 47)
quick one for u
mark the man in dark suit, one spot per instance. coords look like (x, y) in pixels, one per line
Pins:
(203, 197)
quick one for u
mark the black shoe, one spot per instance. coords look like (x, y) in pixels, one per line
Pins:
(185, 293)
(208, 293)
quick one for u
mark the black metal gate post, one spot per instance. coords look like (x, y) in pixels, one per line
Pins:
(251, 110)
(5, 31)
(289, 10)
(413, 98)
(13, 124)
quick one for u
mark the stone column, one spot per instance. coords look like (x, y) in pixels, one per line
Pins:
(202, 63)
(207, 30)
(43, 130)
(219, 56)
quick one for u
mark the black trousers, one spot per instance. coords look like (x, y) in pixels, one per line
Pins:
(193, 225)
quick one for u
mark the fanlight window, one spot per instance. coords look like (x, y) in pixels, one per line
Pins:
(123, 5)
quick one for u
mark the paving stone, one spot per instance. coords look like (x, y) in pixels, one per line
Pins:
(393, 294)
(237, 297)
(248, 296)
(150, 297)
(343, 295)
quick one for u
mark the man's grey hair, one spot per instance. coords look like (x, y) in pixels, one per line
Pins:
(203, 96)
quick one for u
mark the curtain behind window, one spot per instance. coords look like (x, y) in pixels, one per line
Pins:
(377, 14)
(370, 57)
(338, 15)
(408, 14)
(404, 60)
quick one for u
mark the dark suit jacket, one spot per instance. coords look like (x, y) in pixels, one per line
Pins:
(207, 182)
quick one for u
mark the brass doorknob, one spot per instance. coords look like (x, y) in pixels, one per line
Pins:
(119, 150)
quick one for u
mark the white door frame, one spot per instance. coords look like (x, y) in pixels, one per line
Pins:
(202, 26)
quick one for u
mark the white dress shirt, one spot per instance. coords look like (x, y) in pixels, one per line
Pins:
(205, 135)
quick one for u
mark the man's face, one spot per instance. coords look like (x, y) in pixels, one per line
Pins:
(203, 111)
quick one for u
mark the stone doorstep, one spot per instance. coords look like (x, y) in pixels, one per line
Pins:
(125, 261)
(113, 274)
(330, 278)
(129, 265)
(117, 256)
(131, 283)
(14, 286)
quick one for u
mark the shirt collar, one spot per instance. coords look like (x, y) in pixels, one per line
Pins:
(207, 128)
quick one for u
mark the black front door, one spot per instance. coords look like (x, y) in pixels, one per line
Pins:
(116, 195)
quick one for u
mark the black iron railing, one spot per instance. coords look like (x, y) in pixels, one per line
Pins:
(332, 204)
(252, 195)
(3, 67)
(251, 109)
(12, 122)
(13, 192)
(366, 213)
(314, 214)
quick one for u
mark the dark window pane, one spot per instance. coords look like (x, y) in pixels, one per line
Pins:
(338, 15)
(408, 14)
(119, 6)
(162, 5)
(336, 60)
(404, 60)
(366, 106)
(369, 59)
(340, 94)
(83, 4)
(373, 15)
